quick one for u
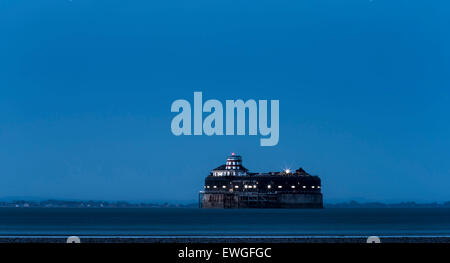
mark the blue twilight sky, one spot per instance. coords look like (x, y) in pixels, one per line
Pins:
(86, 88)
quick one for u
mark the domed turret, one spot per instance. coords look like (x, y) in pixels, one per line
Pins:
(233, 167)
(234, 162)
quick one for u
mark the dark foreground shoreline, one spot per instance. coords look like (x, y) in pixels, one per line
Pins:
(205, 240)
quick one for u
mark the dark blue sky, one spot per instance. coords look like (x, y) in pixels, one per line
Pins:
(86, 88)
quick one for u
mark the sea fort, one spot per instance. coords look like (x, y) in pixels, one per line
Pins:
(232, 186)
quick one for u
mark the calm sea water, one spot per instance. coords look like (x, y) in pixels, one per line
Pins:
(255, 222)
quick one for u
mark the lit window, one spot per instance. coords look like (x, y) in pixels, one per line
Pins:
(254, 186)
(280, 186)
(207, 186)
(304, 186)
(215, 186)
(224, 186)
(313, 187)
(245, 186)
(293, 186)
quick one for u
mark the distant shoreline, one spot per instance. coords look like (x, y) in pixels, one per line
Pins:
(124, 204)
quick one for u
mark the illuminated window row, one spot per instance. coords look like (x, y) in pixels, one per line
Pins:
(227, 173)
(292, 186)
(268, 186)
(236, 186)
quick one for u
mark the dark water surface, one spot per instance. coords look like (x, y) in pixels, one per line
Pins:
(254, 222)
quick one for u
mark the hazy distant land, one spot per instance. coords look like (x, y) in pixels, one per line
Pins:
(124, 204)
